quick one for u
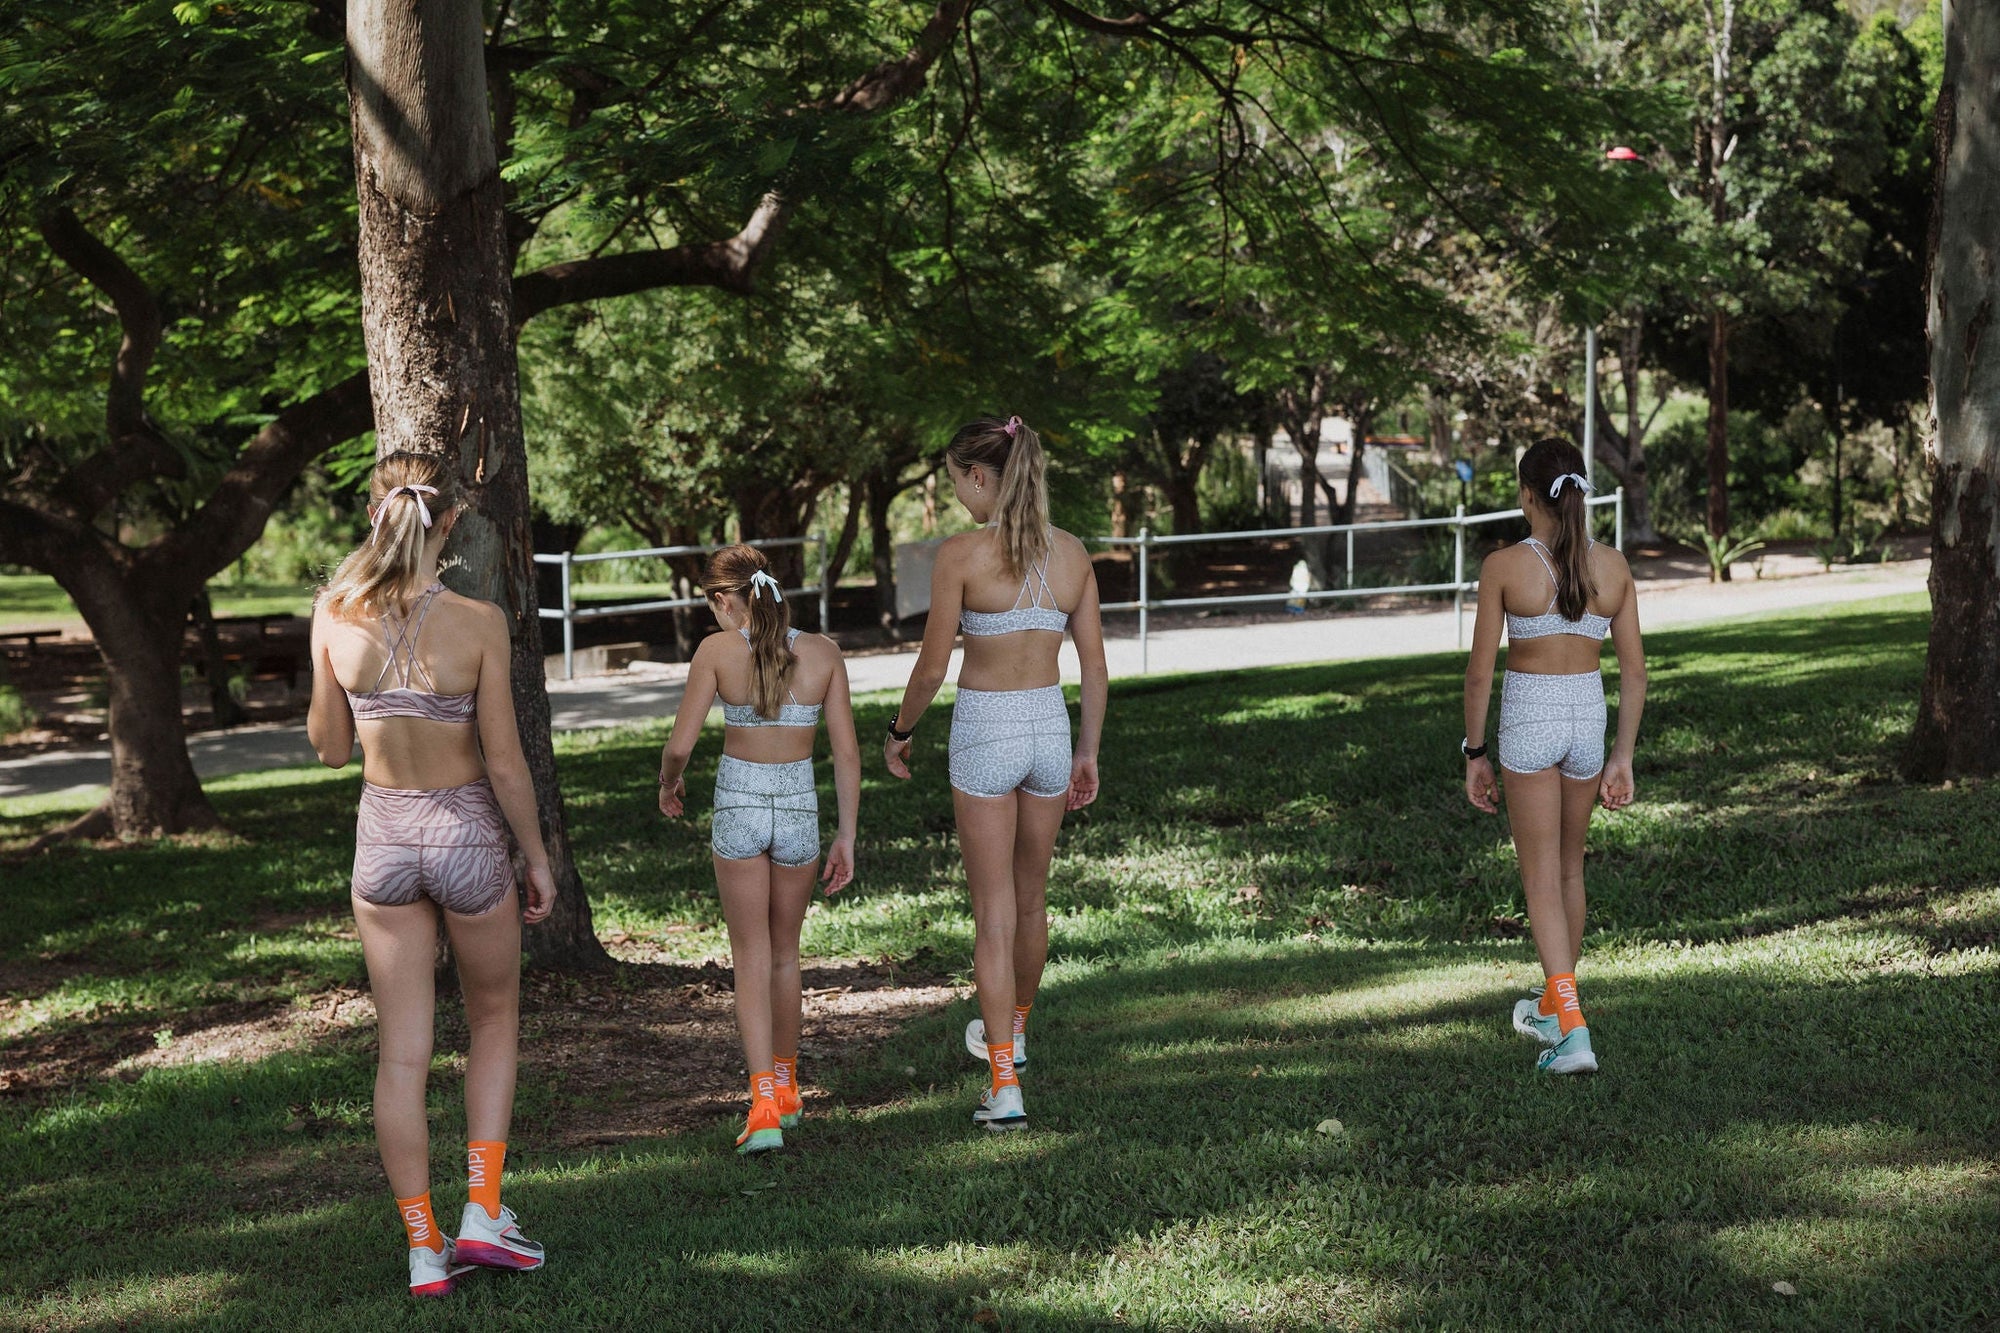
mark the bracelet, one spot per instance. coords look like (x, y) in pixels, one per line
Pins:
(1471, 751)
(668, 782)
(899, 736)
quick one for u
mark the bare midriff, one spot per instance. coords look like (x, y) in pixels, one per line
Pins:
(416, 754)
(1555, 655)
(769, 745)
(1023, 660)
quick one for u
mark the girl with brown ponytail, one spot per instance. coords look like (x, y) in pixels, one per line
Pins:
(765, 830)
(1558, 594)
(1005, 586)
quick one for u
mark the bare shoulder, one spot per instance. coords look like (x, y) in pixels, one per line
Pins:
(1611, 562)
(1068, 545)
(960, 546)
(815, 648)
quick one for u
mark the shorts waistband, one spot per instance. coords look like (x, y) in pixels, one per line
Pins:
(794, 777)
(979, 705)
(1548, 675)
(413, 794)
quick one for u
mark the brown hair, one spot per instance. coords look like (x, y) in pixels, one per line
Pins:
(1546, 463)
(383, 568)
(1012, 451)
(732, 569)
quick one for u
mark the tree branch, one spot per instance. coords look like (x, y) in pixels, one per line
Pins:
(731, 265)
(893, 80)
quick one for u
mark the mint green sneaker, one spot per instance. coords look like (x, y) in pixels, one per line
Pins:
(1571, 1055)
(1531, 1022)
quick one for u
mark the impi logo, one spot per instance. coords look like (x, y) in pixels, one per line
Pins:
(418, 1219)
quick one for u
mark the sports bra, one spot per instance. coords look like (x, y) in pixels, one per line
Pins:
(406, 700)
(1551, 621)
(1035, 615)
(793, 714)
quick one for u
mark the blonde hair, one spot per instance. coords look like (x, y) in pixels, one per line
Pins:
(382, 570)
(1012, 451)
(732, 569)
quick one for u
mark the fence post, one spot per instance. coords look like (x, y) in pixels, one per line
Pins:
(825, 593)
(1350, 557)
(1458, 573)
(1145, 548)
(1618, 511)
(569, 621)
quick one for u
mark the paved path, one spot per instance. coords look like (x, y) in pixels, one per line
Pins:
(650, 691)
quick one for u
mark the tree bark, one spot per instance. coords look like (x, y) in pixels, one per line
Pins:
(223, 709)
(1958, 717)
(438, 317)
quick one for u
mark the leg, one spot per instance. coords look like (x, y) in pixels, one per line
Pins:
(745, 887)
(488, 950)
(399, 945)
(986, 834)
(1578, 797)
(1534, 808)
(791, 894)
(1037, 821)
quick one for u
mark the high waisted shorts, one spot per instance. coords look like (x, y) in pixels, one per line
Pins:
(1008, 740)
(1552, 722)
(448, 844)
(765, 810)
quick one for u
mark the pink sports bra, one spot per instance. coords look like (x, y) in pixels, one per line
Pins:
(406, 700)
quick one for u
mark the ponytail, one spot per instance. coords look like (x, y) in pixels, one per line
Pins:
(411, 492)
(1552, 472)
(746, 571)
(1013, 451)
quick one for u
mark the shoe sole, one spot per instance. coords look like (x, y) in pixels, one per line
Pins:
(764, 1140)
(1001, 1126)
(434, 1288)
(480, 1254)
(1571, 1064)
(977, 1050)
(789, 1121)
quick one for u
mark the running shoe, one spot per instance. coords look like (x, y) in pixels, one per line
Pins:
(764, 1130)
(434, 1272)
(790, 1107)
(1001, 1108)
(488, 1242)
(1571, 1055)
(1530, 1021)
(975, 1042)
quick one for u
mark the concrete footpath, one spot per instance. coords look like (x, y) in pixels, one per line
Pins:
(650, 691)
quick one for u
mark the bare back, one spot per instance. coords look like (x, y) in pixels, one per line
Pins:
(1526, 590)
(1025, 659)
(450, 648)
(728, 655)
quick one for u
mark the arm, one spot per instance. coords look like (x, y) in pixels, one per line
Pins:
(1480, 787)
(1086, 629)
(934, 659)
(696, 699)
(839, 870)
(506, 766)
(1616, 788)
(329, 719)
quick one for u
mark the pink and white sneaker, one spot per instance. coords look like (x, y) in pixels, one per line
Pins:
(434, 1272)
(487, 1242)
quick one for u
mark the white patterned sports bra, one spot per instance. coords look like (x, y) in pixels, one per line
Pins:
(1036, 614)
(793, 714)
(1551, 621)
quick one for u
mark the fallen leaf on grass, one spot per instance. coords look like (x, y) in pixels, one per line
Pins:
(1784, 1289)
(987, 1318)
(1330, 1127)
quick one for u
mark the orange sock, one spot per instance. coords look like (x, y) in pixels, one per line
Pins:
(483, 1160)
(1559, 1001)
(1000, 1055)
(419, 1223)
(786, 1068)
(763, 1087)
(1021, 1017)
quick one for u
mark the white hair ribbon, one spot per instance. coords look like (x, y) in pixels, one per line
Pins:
(1582, 483)
(417, 493)
(762, 579)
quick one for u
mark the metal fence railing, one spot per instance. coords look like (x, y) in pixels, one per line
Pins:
(569, 612)
(1459, 522)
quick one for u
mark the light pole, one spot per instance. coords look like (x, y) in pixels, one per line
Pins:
(1618, 154)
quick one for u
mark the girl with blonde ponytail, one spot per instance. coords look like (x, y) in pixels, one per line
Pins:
(765, 830)
(1557, 594)
(1012, 587)
(419, 676)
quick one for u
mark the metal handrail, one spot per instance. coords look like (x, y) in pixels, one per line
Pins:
(569, 613)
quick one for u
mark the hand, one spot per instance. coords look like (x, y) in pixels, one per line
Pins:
(1614, 788)
(541, 894)
(1082, 782)
(896, 754)
(1480, 788)
(671, 794)
(839, 871)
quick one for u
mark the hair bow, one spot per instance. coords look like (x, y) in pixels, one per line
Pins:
(1582, 483)
(763, 579)
(417, 493)
(1013, 427)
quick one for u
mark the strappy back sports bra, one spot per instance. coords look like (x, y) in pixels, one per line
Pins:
(1036, 614)
(1551, 621)
(405, 700)
(793, 714)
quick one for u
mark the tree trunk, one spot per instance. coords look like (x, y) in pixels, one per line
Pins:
(1718, 427)
(843, 545)
(882, 492)
(437, 315)
(1958, 719)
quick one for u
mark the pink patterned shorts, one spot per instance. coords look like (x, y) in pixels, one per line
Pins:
(448, 844)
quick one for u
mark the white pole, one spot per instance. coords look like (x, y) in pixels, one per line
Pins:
(1458, 573)
(825, 593)
(1590, 405)
(1145, 545)
(569, 622)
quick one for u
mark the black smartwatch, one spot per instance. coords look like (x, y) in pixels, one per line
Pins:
(899, 736)
(1471, 751)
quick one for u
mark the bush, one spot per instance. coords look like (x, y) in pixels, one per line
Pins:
(1228, 493)
(15, 714)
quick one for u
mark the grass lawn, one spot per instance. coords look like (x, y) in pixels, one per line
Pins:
(1272, 1079)
(31, 600)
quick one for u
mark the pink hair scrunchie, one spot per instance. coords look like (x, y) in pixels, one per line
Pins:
(1013, 427)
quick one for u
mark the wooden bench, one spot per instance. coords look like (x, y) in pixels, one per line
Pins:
(30, 638)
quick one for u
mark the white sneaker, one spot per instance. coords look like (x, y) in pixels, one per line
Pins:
(1571, 1055)
(487, 1242)
(1531, 1022)
(434, 1272)
(1001, 1108)
(975, 1042)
